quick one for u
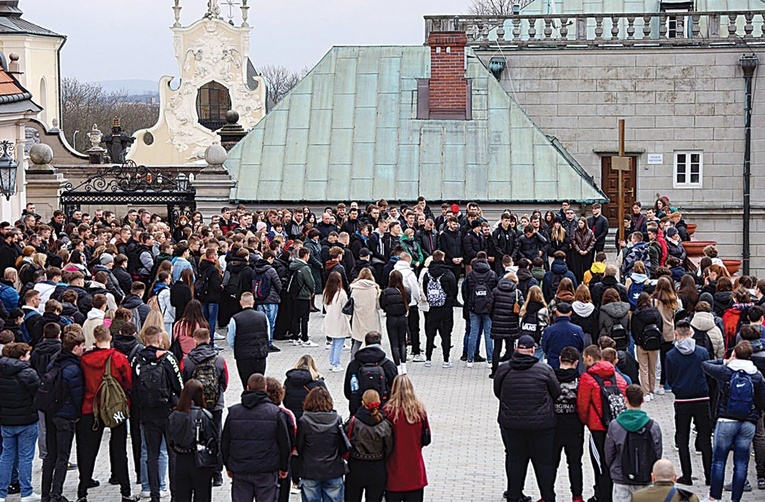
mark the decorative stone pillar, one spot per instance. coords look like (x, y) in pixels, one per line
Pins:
(231, 133)
(43, 182)
(213, 183)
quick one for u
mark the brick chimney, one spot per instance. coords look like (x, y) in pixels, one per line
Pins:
(448, 89)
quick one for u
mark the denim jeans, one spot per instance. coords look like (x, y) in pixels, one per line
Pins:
(210, 311)
(736, 435)
(18, 442)
(478, 323)
(271, 310)
(327, 490)
(162, 465)
(335, 350)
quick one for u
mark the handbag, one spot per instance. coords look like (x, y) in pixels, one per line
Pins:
(516, 305)
(206, 451)
(348, 445)
(175, 348)
(348, 307)
(425, 437)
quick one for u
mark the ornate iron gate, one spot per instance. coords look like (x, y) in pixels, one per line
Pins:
(130, 183)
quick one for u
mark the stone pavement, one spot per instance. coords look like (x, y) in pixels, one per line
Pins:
(465, 460)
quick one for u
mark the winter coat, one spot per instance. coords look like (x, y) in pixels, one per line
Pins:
(589, 404)
(594, 274)
(608, 282)
(371, 439)
(642, 318)
(472, 244)
(180, 296)
(526, 389)
(676, 249)
(112, 284)
(529, 247)
(560, 334)
(611, 314)
(201, 353)
(722, 373)
(305, 277)
(296, 387)
(366, 305)
(586, 316)
(9, 296)
(410, 281)
(684, 372)
(723, 301)
(565, 405)
(124, 279)
(639, 252)
(448, 282)
(616, 439)
(256, 437)
(481, 274)
(559, 269)
(504, 242)
(18, 385)
(406, 467)
(214, 282)
(93, 364)
(95, 318)
(74, 385)
(525, 281)
(393, 303)
(505, 325)
(165, 303)
(583, 241)
(43, 354)
(133, 302)
(264, 269)
(336, 324)
(599, 227)
(320, 446)
(428, 241)
(705, 321)
(370, 354)
(451, 244)
(154, 410)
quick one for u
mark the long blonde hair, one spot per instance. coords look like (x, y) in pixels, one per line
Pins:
(307, 362)
(404, 401)
(534, 295)
(155, 318)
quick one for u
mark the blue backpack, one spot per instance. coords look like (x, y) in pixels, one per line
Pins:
(25, 334)
(740, 395)
(633, 293)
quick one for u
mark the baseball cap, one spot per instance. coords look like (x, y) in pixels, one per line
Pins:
(563, 307)
(526, 342)
(364, 252)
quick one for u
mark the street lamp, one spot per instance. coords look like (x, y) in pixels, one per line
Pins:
(182, 181)
(8, 168)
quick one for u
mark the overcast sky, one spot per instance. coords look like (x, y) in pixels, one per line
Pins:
(122, 39)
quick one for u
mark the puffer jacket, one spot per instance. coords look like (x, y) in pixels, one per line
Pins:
(585, 315)
(320, 445)
(74, 385)
(589, 404)
(371, 440)
(262, 267)
(481, 274)
(560, 269)
(527, 389)
(296, 387)
(392, 302)
(18, 385)
(723, 301)
(705, 321)
(504, 323)
(611, 314)
(214, 287)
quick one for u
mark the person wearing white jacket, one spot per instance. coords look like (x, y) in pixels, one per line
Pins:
(412, 285)
(336, 324)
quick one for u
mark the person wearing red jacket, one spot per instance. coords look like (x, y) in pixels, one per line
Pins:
(89, 429)
(589, 407)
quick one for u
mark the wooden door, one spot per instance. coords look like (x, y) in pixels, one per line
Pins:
(610, 185)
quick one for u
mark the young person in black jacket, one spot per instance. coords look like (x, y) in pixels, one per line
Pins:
(440, 315)
(505, 323)
(569, 430)
(394, 300)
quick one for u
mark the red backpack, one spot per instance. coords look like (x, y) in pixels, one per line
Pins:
(731, 321)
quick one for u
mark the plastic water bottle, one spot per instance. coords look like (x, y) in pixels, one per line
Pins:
(354, 384)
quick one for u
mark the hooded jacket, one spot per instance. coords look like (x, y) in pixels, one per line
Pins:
(529, 247)
(628, 421)
(151, 410)
(112, 284)
(74, 385)
(264, 269)
(410, 281)
(505, 324)
(608, 282)
(132, 302)
(560, 269)
(448, 282)
(504, 242)
(214, 284)
(371, 440)
(595, 273)
(95, 318)
(565, 404)
(200, 354)
(560, 334)
(18, 385)
(722, 373)
(296, 387)
(93, 364)
(256, 436)
(684, 373)
(320, 445)
(481, 274)
(527, 389)
(44, 353)
(589, 404)
(723, 301)
(525, 281)
(585, 315)
(371, 354)
(612, 314)
(306, 278)
(705, 322)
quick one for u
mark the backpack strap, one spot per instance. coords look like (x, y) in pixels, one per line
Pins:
(670, 495)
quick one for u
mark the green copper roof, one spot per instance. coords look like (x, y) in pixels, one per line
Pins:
(348, 130)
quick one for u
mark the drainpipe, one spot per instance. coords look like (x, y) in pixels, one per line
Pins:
(749, 65)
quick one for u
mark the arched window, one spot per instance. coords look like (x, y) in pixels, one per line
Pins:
(213, 101)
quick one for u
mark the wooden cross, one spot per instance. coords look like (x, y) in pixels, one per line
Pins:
(621, 164)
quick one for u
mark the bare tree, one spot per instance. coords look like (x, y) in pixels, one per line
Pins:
(493, 7)
(86, 104)
(280, 80)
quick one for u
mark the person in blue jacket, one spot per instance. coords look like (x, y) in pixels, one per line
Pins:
(561, 333)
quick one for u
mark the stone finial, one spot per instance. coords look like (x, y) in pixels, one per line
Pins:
(245, 8)
(94, 136)
(215, 156)
(13, 64)
(41, 156)
(177, 13)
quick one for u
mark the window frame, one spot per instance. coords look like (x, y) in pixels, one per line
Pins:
(208, 101)
(687, 163)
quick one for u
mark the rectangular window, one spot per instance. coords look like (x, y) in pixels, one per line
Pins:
(689, 167)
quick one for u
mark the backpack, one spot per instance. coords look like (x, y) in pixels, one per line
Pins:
(261, 285)
(201, 285)
(703, 340)
(731, 319)
(479, 297)
(232, 283)
(611, 399)
(619, 334)
(435, 293)
(153, 303)
(555, 282)
(136, 318)
(372, 376)
(153, 387)
(740, 395)
(25, 334)
(652, 338)
(532, 326)
(633, 293)
(207, 452)
(110, 404)
(209, 377)
(294, 285)
(638, 456)
(50, 396)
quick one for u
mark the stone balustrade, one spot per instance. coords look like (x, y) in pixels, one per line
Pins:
(653, 29)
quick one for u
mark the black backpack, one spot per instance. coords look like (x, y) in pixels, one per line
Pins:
(638, 456)
(295, 284)
(479, 297)
(372, 376)
(555, 282)
(619, 334)
(612, 401)
(652, 337)
(50, 396)
(153, 388)
(202, 284)
(261, 286)
(703, 340)
(531, 325)
(232, 283)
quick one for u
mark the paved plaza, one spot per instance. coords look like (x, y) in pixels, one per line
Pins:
(465, 460)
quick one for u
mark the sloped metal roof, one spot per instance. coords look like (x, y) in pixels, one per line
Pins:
(13, 97)
(348, 130)
(11, 25)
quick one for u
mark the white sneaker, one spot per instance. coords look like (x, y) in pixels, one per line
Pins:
(488, 364)
(297, 343)
(647, 398)
(218, 336)
(469, 364)
(336, 369)
(418, 358)
(403, 368)
(164, 494)
(660, 391)
(295, 490)
(145, 494)
(34, 497)
(447, 364)
(309, 343)
(428, 364)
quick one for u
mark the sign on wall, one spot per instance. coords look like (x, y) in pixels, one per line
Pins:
(655, 158)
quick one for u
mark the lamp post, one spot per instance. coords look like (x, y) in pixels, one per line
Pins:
(8, 169)
(748, 65)
(183, 182)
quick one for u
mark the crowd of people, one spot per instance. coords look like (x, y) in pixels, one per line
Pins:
(113, 323)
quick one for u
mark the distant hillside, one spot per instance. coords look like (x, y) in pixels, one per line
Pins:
(131, 86)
